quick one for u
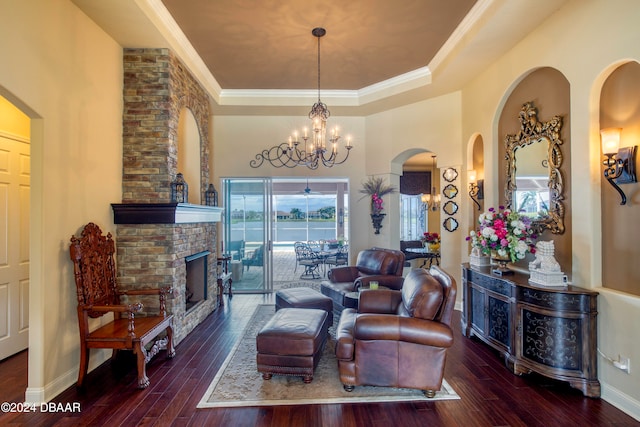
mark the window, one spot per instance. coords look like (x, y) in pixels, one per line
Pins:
(412, 217)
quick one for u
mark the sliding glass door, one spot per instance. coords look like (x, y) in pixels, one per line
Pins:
(264, 217)
(247, 233)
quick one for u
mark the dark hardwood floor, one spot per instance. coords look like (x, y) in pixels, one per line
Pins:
(490, 394)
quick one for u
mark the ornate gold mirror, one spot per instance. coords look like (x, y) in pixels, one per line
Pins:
(534, 180)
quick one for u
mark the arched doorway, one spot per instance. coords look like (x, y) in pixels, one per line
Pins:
(419, 196)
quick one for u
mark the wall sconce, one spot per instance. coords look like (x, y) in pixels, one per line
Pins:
(620, 164)
(179, 190)
(476, 190)
(211, 196)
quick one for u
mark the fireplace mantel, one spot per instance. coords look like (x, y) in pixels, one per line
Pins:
(164, 213)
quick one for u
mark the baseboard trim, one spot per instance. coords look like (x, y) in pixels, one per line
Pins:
(622, 401)
(39, 395)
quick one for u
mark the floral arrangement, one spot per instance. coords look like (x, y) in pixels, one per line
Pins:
(505, 232)
(430, 238)
(375, 188)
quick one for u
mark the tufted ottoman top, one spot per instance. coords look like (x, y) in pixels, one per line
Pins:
(293, 332)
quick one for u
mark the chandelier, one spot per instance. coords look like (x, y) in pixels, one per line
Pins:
(432, 201)
(302, 149)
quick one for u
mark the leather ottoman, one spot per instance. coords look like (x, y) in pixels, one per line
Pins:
(291, 343)
(304, 298)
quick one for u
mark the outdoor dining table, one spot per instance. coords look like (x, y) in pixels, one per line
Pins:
(323, 254)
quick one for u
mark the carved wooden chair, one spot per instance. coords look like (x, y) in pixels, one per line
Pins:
(95, 277)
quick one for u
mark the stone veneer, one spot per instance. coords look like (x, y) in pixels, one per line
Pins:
(157, 87)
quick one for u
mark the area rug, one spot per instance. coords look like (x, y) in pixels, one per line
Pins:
(238, 383)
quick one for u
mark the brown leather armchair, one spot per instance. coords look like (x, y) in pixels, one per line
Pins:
(399, 338)
(380, 264)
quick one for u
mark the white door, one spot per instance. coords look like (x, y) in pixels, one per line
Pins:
(14, 245)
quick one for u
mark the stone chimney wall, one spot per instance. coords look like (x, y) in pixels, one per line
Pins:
(157, 87)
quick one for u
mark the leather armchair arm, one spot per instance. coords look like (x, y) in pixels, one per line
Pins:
(370, 327)
(343, 274)
(381, 301)
(391, 282)
(345, 343)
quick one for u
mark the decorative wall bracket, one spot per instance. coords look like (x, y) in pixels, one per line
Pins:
(620, 169)
(376, 220)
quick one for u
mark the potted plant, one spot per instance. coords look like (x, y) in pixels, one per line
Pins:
(504, 235)
(375, 188)
(431, 241)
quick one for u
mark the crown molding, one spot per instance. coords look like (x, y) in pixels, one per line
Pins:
(169, 29)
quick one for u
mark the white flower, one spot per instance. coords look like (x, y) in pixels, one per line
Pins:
(488, 232)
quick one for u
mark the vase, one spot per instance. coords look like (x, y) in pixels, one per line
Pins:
(434, 247)
(478, 259)
(501, 261)
(376, 219)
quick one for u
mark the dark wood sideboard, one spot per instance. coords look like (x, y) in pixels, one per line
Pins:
(551, 331)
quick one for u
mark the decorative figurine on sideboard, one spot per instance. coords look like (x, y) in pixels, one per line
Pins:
(545, 270)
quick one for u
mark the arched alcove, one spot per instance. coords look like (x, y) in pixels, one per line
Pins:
(475, 162)
(620, 107)
(549, 90)
(189, 161)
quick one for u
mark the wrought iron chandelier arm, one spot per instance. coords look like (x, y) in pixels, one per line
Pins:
(277, 155)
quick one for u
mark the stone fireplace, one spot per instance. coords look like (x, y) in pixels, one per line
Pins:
(154, 236)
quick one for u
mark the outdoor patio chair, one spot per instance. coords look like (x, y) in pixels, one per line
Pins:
(310, 260)
(255, 258)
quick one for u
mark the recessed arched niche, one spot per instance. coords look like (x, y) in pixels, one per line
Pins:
(189, 162)
(620, 107)
(548, 89)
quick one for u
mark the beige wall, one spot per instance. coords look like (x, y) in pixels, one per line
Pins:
(66, 77)
(66, 74)
(584, 52)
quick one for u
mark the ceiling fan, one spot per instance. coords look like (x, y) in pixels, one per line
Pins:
(307, 191)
